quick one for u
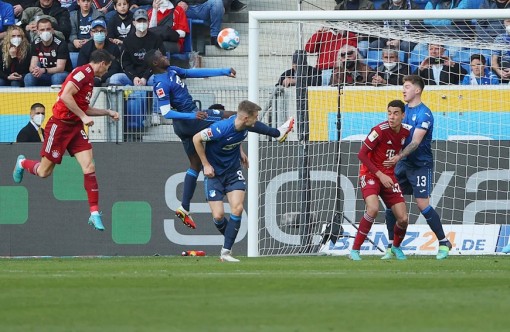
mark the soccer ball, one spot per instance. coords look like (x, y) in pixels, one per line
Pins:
(228, 39)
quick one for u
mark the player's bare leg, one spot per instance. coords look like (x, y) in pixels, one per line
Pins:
(42, 168)
(85, 159)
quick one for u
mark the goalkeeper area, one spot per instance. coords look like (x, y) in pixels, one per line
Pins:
(307, 192)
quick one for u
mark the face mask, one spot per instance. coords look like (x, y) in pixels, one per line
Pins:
(141, 26)
(38, 119)
(99, 37)
(507, 29)
(16, 41)
(46, 36)
(389, 65)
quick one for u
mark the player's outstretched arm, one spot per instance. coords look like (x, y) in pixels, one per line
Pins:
(102, 112)
(198, 142)
(204, 72)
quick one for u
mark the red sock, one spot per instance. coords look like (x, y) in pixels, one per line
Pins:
(400, 233)
(365, 224)
(31, 165)
(92, 189)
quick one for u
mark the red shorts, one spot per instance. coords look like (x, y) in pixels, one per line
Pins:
(60, 136)
(371, 185)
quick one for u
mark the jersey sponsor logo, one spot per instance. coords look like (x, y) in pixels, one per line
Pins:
(373, 135)
(425, 125)
(79, 76)
(160, 92)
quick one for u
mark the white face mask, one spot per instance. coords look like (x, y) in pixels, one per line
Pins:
(507, 29)
(16, 41)
(38, 119)
(46, 36)
(141, 26)
(389, 65)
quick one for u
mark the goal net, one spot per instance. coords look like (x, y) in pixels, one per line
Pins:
(304, 196)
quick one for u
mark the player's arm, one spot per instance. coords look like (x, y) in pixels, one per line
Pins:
(418, 135)
(102, 112)
(198, 142)
(67, 97)
(204, 72)
(244, 158)
(363, 156)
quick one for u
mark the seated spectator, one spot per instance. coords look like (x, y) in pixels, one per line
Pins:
(449, 27)
(401, 25)
(211, 11)
(6, 18)
(311, 74)
(392, 71)
(33, 132)
(170, 24)
(70, 5)
(135, 46)
(103, 6)
(488, 30)
(439, 69)
(480, 74)
(354, 5)
(326, 42)
(19, 6)
(100, 41)
(49, 63)
(351, 68)
(61, 15)
(500, 60)
(120, 24)
(15, 57)
(80, 24)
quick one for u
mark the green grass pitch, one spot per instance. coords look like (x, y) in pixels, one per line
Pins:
(257, 294)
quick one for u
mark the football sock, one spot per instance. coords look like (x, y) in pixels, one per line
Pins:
(391, 221)
(231, 231)
(221, 224)
(400, 233)
(92, 189)
(264, 129)
(30, 165)
(364, 227)
(434, 221)
(190, 183)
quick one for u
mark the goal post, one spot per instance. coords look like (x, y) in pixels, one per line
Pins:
(298, 191)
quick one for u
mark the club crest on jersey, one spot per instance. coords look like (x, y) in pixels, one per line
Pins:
(371, 182)
(160, 92)
(79, 76)
(413, 117)
(55, 154)
(373, 135)
(212, 193)
(53, 53)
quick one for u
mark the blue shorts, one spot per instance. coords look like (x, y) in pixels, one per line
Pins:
(414, 181)
(217, 187)
(186, 129)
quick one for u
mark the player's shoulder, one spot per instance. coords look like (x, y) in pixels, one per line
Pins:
(82, 72)
(383, 126)
(407, 127)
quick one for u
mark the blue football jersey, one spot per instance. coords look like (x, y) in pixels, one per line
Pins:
(223, 149)
(420, 117)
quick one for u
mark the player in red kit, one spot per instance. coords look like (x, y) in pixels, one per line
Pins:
(384, 141)
(65, 130)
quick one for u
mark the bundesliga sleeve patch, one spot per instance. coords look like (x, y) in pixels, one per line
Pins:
(160, 93)
(373, 135)
(206, 134)
(79, 76)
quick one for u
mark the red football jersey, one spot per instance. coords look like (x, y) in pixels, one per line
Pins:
(83, 78)
(384, 143)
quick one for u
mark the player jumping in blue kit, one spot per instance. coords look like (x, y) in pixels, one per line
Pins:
(222, 158)
(175, 102)
(414, 171)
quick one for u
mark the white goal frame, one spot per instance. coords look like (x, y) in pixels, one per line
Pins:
(256, 17)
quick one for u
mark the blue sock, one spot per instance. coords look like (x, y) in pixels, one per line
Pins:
(390, 225)
(221, 225)
(231, 231)
(434, 223)
(190, 183)
(264, 129)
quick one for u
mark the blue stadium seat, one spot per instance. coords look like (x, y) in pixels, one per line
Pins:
(421, 3)
(188, 41)
(74, 58)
